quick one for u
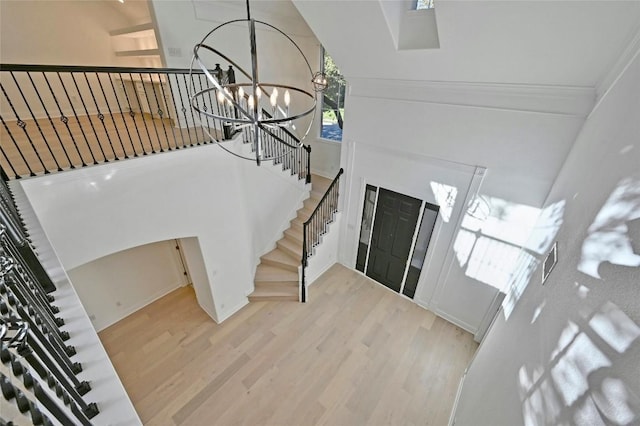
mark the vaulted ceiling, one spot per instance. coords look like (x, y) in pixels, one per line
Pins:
(568, 43)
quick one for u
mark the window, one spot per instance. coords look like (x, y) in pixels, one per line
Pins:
(332, 101)
(424, 4)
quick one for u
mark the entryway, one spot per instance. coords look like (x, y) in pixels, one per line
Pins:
(394, 237)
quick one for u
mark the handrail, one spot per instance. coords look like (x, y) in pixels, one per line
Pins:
(321, 216)
(284, 129)
(90, 68)
(325, 194)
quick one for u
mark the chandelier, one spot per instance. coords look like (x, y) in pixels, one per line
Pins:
(273, 119)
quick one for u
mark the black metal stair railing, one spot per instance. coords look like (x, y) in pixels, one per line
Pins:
(297, 161)
(57, 118)
(34, 354)
(15, 227)
(40, 357)
(316, 226)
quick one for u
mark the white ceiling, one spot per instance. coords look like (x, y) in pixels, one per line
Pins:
(136, 11)
(281, 13)
(568, 43)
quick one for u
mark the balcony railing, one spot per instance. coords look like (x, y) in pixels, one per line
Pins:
(57, 118)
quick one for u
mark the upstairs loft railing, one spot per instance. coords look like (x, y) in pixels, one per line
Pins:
(57, 118)
(317, 225)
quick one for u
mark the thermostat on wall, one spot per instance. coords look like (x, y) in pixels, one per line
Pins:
(549, 262)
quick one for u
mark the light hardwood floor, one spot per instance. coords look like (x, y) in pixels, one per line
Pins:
(46, 144)
(355, 354)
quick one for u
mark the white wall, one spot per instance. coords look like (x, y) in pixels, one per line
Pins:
(411, 137)
(195, 192)
(197, 271)
(420, 177)
(326, 254)
(522, 149)
(58, 32)
(63, 32)
(325, 156)
(119, 284)
(70, 32)
(182, 24)
(568, 352)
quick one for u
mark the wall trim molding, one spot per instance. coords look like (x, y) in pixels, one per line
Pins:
(434, 161)
(452, 416)
(546, 99)
(632, 48)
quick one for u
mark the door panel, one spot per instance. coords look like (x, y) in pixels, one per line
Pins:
(393, 229)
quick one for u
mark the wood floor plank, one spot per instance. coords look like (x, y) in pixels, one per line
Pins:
(355, 354)
(211, 388)
(41, 144)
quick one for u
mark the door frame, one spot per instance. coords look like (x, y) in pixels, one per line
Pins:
(434, 234)
(420, 171)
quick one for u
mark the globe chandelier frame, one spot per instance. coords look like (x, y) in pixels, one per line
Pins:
(240, 110)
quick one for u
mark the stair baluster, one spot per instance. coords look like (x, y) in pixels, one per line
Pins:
(316, 226)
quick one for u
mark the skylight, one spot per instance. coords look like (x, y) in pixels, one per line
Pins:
(424, 4)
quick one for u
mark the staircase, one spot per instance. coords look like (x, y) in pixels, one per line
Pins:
(277, 274)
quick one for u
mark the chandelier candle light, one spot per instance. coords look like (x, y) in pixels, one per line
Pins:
(258, 109)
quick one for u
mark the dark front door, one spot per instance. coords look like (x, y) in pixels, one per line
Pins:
(393, 229)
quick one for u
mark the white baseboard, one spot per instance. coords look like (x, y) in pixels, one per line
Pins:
(453, 320)
(229, 312)
(452, 417)
(324, 173)
(319, 274)
(158, 295)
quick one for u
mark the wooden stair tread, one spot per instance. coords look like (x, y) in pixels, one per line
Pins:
(295, 234)
(262, 293)
(290, 243)
(277, 285)
(291, 247)
(266, 272)
(320, 183)
(277, 254)
(310, 203)
(277, 257)
(305, 214)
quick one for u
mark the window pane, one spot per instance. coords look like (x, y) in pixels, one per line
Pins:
(332, 101)
(365, 228)
(420, 250)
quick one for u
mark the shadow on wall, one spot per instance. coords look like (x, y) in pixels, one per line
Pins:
(499, 243)
(608, 239)
(542, 237)
(578, 385)
(583, 380)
